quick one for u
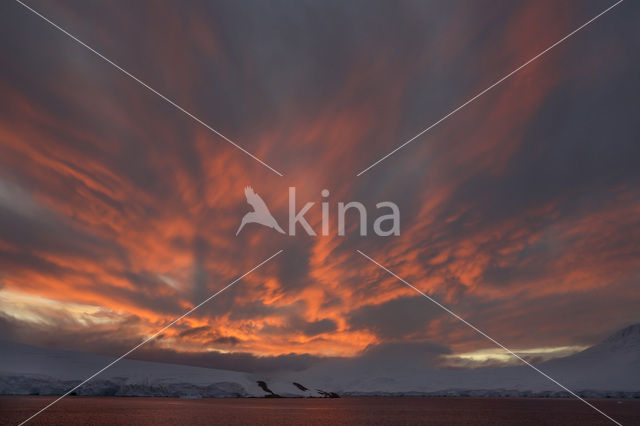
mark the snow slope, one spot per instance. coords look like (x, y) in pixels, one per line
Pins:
(605, 369)
(609, 368)
(30, 370)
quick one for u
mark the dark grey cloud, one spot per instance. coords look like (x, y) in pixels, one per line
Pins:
(425, 352)
(318, 327)
(396, 318)
(46, 231)
(194, 331)
(227, 340)
(295, 323)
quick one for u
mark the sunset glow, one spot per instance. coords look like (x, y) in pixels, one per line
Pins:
(118, 212)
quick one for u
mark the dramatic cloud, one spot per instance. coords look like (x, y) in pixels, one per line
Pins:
(118, 212)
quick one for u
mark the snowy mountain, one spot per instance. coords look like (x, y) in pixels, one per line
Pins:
(29, 370)
(610, 368)
(613, 364)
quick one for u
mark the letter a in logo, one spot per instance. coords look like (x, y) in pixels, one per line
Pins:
(260, 213)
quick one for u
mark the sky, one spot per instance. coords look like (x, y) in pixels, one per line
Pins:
(118, 212)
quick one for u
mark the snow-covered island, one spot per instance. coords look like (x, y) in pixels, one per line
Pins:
(609, 369)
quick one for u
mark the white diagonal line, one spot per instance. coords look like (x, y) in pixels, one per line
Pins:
(449, 311)
(491, 87)
(145, 85)
(154, 335)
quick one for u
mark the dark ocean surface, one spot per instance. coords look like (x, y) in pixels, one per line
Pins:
(343, 411)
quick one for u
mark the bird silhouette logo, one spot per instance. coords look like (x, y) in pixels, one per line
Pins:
(260, 213)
